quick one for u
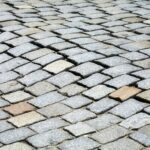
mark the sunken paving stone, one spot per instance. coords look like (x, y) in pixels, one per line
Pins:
(128, 108)
(109, 134)
(74, 75)
(26, 118)
(125, 92)
(49, 138)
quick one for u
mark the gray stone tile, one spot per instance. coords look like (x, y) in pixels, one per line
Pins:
(62, 79)
(87, 68)
(128, 108)
(54, 110)
(94, 80)
(49, 138)
(103, 121)
(47, 99)
(102, 105)
(83, 143)
(78, 115)
(49, 124)
(98, 92)
(15, 135)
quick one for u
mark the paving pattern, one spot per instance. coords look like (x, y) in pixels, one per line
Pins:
(74, 75)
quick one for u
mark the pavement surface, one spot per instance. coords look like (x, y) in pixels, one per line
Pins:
(74, 75)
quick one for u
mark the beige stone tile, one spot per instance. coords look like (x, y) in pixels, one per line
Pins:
(125, 93)
(26, 119)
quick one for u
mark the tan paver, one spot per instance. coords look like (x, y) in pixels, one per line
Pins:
(19, 108)
(124, 93)
(26, 119)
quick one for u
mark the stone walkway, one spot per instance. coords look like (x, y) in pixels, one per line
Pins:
(74, 75)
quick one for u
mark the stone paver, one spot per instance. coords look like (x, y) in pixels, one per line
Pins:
(74, 75)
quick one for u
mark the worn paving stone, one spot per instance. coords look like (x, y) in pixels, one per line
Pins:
(77, 101)
(134, 56)
(54, 110)
(94, 80)
(49, 138)
(142, 135)
(37, 53)
(102, 105)
(98, 92)
(21, 49)
(136, 121)
(26, 119)
(15, 135)
(47, 99)
(49, 124)
(84, 57)
(46, 59)
(79, 129)
(10, 86)
(78, 115)
(110, 134)
(17, 96)
(5, 126)
(3, 102)
(128, 108)
(87, 68)
(3, 115)
(125, 92)
(62, 79)
(143, 73)
(72, 89)
(79, 143)
(40, 88)
(58, 66)
(120, 70)
(113, 61)
(34, 77)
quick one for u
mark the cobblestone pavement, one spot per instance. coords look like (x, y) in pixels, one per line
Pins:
(74, 75)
